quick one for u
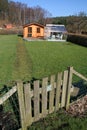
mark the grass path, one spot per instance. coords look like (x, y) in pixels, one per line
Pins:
(22, 65)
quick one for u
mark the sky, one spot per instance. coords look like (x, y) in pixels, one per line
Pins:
(59, 7)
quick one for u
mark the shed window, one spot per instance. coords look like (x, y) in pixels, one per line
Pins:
(38, 30)
(29, 35)
(29, 29)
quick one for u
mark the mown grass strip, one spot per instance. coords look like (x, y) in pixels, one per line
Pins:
(23, 63)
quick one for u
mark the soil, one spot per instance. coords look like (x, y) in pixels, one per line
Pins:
(78, 108)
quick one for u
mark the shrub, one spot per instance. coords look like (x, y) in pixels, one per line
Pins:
(11, 31)
(77, 39)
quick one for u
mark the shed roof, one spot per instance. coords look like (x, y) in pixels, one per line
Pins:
(37, 24)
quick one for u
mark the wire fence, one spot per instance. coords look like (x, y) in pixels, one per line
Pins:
(9, 111)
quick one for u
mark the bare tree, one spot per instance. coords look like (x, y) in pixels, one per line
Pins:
(19, 13)
(3, 9)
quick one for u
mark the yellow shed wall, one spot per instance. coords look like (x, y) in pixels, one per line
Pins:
(34, 31)
(25, 32)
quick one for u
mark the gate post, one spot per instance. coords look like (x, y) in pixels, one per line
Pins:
(69, 84)
(21, 104)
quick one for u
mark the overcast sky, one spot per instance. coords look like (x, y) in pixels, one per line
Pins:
(59, 7)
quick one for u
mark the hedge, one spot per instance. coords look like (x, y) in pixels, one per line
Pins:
(77, 39)
(11, 31)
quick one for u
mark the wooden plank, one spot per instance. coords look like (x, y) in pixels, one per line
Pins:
(36, 100)
(21, 104)
(51, 95)
(58, 90)
(44, 96)
(79, 75)
(65, 79)
(28, 111)
(8, 95)
(69, 85)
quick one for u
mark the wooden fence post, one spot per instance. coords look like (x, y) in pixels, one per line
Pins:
(69, 84)
(28, 108)
(21, 104)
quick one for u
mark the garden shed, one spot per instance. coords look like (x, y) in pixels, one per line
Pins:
(33, 30)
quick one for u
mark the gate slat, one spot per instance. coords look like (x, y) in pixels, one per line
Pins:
(51, 96)
(58, 90)
(65, 79)
(44, 96)
(36, 100)
(70, 73)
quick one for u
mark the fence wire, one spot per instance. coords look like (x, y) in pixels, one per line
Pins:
(9, 111)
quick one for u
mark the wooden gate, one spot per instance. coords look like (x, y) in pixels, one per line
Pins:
(44, 96)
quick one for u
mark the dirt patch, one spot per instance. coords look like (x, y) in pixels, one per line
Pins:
(79, 108)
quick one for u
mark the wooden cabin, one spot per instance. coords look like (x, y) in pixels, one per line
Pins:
(33, 30)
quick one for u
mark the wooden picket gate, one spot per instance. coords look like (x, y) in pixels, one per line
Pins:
(43, 97)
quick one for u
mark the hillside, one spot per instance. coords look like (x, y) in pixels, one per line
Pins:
(74, 24)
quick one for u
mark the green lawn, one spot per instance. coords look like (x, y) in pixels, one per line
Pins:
(38, 59)
(51, 57)
(7, 56)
